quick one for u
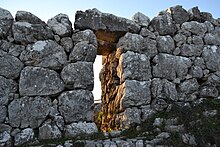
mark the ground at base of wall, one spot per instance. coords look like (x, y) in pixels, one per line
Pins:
(196, 124)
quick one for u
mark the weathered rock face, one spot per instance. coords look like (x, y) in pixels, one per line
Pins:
(24, 136)
(46, 54)
(23, 16)
(39, 81)
(179, 14)
(5, 137)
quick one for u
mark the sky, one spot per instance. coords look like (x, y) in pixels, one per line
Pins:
(46, 9)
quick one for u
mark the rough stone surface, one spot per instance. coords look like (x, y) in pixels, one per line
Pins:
(135, 93)
(83, 51)
(3, 113)
(179, 14)
(165, 44)
(46, 54)
(76, 105)
(133, 66)
(6, 21)
(191, 50)
(76, 129)
(24, 16)
(7, 87)
(164, 24)
(212, 39)
(10, 66)
(61, 25)
(5, 138)
(141, 19)
(26, 33)
(194, 27)
(96, 20)
(67, 43)
(78, 75)
(24, 136)
(171, 67)
(28, 111)
(39, 81)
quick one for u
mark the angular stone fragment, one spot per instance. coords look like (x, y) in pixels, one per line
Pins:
(194, 27)
(163, 89)
(179, 39)
(5, 137)
(159, 104)
(49, 131)
(197, 40)
(134, 66)
(77, 129)
(78, 75)
(10, 66)
(171, 67)
(6, 21)
(191, 50)
(24, 16)
(7, 87)
(196, 72)
(61, 25)
(83, 51)
(146, 112)
(128, 118)
(149, 47)
(67, 43)
(165, 44)
(3, 113)
(163, 24)
(39, 81)
(46, 54)
(211, 56)
(75, 105)
(26, 33)
(96, 20)
(147, 33)
(86, 35)
(134, 93)
(212, 39)
(194, 14)
(206, 16)
(10, 48)
(24, 136)
(179, 14)
(189, 86)
(141, 19)
(28, 111)
(208, 91)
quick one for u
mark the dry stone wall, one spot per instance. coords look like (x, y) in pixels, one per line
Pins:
(46, 70)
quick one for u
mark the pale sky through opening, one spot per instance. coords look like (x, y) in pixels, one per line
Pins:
(46, 9)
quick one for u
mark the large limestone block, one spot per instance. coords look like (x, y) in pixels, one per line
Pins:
(96, 20)
(24, 16)
(165, 44)
(46, 54)
(78, 75)
(134, 93)
(39, 81)
(134, 66)
(7, 87)
(76, 105)
(179, 14)
(23, 136)
(194, 27)
(61, 25)
(170, 66)
(29, 111)
(141, 19)
(6, 21)
(10, 66)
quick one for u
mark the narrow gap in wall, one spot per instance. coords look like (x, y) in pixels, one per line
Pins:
(97, 66)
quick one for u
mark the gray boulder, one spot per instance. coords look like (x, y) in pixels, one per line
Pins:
(147, 33)
(194, 14)
(179, 39)
(77, 129)
(26, 33)
(61, 25)
(159, 104)
(28, 111)
(208, 91)
(49, 131)
(165, 44)
(10, 48)
(96, 20)
(39, 81)
(149, 47)
(75, 105)
(83, 51)
(10, 66)
(191, 50)
(179, 14)
(5, 137)
(171, 67)
(134, 93)
(129, 117)
(212, 39)
(162, 88)
(6, 21)
(78, 75)
(23, 136)
(146, 112)
(141, 19)
(86, 35)
(197, 40)
(67, 43)
(23, 16)
(7, 87)
(189, 86)
(134, 66)
(3, 113)
(46, 54)
(196, 72)
(194, 27)
(211, 56)
(163, 24)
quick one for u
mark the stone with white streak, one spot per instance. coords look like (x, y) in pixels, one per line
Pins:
(24, 136)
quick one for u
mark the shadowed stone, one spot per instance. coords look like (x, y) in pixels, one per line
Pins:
(6, 21)
(23, 16)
